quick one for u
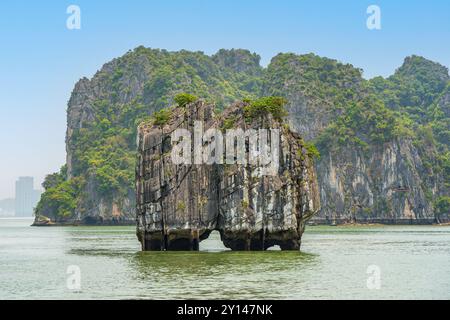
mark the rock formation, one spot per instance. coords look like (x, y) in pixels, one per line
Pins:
(178, 205)
(397, 180)
(393, 181)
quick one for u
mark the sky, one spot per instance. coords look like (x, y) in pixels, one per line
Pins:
(41, 59)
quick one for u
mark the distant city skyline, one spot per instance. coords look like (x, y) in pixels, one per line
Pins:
(44, 59)
(26, 197)
(24, 201)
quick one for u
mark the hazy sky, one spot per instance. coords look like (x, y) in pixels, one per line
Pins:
(40, 59)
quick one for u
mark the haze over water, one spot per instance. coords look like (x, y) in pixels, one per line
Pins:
(413, 260)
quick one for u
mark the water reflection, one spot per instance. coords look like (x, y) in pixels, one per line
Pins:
(220, 274)
(186, 263)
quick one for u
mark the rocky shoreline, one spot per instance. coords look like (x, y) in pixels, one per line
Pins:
(313, 222)
(46, 222)
(381, 222)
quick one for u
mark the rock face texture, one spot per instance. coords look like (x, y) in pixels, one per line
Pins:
(178, 205)
(389, 182)
(382, 186)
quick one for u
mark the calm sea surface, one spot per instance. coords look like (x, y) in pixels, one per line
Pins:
(413, 262)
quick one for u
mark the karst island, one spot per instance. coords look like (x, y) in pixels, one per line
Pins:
(241, 172)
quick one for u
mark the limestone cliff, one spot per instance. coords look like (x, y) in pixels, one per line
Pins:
(178, 205)
(384, 143)
(384, 185)
(96, 186)
(373, 168)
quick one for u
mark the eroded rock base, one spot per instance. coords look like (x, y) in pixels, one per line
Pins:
(242, 241)
(184, 240)
(180, 240)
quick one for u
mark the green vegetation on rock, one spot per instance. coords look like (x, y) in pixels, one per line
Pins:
(229, 123)
(183, 99)
(136, 88)
(442, 205)
(312, 150)
(61, 195)
(365, 122)
(162, 116)
(329, 101)
(266, 105)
